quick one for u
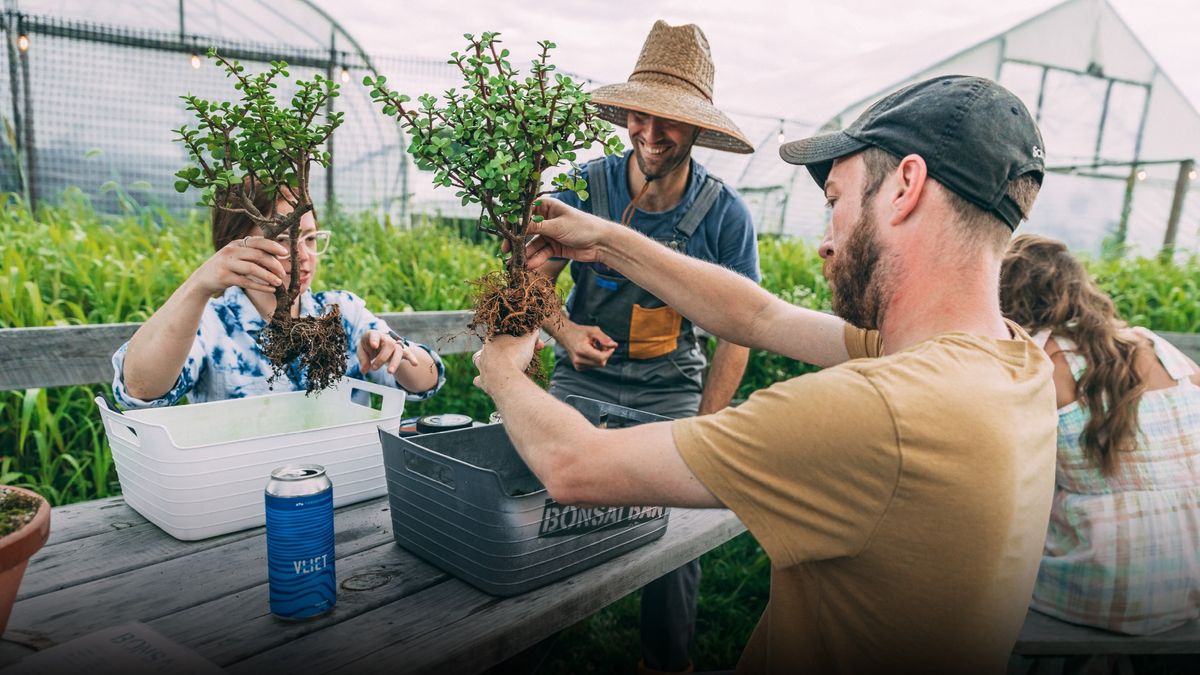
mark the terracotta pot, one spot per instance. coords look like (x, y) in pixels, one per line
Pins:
(15, 551)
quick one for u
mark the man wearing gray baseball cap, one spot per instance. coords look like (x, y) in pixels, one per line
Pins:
(902, 493)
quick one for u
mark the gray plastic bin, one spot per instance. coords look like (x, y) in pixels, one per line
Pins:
(465, 502)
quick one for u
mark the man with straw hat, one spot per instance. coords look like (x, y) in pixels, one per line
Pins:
(622, 344)
(902, 494)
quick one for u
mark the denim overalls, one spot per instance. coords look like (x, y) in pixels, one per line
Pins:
(657, 365)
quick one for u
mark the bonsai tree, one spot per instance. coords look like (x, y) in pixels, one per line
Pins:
(493, 142)
(253, 145)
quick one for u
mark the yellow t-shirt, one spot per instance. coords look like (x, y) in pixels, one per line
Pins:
(902, 499)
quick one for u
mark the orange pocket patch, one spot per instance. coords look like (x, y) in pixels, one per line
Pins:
(653, 332)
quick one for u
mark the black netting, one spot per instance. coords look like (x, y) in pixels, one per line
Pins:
(92, 105)
(101, 103)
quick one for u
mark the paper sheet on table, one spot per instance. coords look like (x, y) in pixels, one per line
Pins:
(128, 649)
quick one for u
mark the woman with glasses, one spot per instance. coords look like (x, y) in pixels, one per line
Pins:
(202, 343)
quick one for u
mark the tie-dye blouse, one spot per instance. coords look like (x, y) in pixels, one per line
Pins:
(226, 362)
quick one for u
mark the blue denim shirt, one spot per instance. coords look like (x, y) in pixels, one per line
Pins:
(226, 362)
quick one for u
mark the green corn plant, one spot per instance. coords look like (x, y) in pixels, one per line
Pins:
(1159, 294)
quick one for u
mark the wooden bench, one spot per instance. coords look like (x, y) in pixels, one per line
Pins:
(59, 356)
(1043, 635)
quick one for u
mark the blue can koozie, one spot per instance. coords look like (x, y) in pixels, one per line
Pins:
(300, 560)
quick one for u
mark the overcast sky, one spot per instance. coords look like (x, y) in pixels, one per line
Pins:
(759, 46)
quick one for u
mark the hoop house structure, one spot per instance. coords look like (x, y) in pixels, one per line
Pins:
(89, 94)
(1121, 138)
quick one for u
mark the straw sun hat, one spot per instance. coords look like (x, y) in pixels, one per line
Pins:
(673, 78)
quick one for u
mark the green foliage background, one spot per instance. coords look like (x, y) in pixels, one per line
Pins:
(67, 265)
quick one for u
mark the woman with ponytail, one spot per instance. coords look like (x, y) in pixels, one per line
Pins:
(1123, 546)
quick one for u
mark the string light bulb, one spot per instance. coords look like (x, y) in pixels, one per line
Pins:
(781, 136)
(195, 61)
(1192, 175)
(345, 74)
(1141, 175)
(23, 43)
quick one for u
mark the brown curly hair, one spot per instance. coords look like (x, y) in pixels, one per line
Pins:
(1043, 286)
(229, 226)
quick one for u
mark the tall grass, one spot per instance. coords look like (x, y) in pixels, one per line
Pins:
(1152, 293)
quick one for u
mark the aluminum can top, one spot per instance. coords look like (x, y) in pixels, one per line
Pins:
(298, 480)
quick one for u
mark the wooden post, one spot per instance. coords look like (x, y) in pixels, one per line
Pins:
(1127, 208)
(330, 72)
(30, 151)
(1186, 168)
(12, 25)
(11, 31)
(1127, 204)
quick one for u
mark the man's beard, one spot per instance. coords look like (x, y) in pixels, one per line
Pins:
(668, 165)
(679, 156)
(858, 276)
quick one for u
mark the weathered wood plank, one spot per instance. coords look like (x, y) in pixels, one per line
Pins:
(112, 538)
(1188, 343)
(1043, 635)
(87, 519)
(446, 332)
(408, 620)
(70, 355)
(67, 355)
(503, 630)
(366, 581)
(451, 627)
(182, 575)
(58, 356)
(77, 562)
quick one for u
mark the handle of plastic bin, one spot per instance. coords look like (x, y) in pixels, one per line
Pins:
(599, 412)
(445, 473)
(393, 399)
(126, 429)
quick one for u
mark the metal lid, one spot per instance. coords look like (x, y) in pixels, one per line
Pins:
(298, 472)
(444, 422)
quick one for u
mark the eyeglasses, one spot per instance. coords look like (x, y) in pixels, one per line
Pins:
(315, 242)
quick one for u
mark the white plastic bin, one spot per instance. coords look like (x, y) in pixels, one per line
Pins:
(199, 470)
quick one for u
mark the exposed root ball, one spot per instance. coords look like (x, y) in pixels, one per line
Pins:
(319, 343)
(514, 302)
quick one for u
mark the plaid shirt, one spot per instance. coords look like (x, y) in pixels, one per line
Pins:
(1123, 551)
(226, 362)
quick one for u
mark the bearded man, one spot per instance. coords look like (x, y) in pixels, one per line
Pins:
(903, 492)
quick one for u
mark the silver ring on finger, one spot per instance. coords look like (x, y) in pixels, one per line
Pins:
(245, 241)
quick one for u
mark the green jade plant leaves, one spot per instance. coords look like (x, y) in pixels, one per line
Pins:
(493, 142)
(254, 145)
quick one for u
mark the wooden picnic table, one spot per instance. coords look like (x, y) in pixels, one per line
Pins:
(105, 565)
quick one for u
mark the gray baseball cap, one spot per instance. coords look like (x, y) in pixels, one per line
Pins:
(975, 136)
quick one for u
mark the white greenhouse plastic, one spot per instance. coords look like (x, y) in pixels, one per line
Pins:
(1110, 117)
